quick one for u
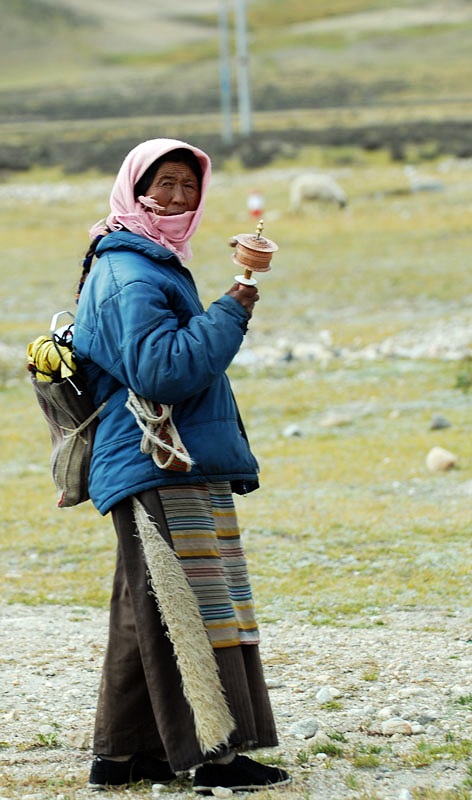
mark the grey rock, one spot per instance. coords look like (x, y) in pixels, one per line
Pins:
(427, 716)
(305, 728)
(439, 422)
(274, 683)
(388, 712)
(396, 725)
(416, 728)
(327, 694)
(292, 430)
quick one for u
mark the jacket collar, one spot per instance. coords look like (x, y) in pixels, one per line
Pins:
(125, 240)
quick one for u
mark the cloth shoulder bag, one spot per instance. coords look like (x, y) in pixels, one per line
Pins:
(68, 409)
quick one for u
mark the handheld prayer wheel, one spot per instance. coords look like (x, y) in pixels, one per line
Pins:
(253, 252)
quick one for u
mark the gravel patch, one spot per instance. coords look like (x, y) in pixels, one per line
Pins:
(377, 708)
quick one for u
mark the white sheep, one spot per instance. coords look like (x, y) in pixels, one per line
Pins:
(422, 183)
(315, 186)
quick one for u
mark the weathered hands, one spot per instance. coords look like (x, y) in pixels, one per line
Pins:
(246, 295)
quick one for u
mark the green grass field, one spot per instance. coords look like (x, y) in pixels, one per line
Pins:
(348, 520)
(348, 524)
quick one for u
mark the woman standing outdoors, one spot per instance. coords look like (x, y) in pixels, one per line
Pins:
(182, 684)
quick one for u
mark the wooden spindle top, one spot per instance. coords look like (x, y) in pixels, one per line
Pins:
(252, 250)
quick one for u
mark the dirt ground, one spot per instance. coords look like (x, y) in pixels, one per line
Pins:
(411, 666)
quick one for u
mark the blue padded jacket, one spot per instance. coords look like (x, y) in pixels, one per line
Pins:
(140, 324)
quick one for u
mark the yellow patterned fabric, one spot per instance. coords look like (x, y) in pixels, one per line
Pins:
(49, 361)
(202, 523)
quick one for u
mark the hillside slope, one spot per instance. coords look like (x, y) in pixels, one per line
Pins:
(81, 81)
(344, 52)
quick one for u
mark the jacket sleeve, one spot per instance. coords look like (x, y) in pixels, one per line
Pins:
(141, 341)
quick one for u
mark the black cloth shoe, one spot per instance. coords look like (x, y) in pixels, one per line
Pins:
(105, 772)
(144, 768)
(241, 775)
(109, 773)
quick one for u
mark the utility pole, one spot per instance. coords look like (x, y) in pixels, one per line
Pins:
(225, 73)
(242, 56)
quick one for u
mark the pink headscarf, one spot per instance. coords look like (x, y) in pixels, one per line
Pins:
(140, 216)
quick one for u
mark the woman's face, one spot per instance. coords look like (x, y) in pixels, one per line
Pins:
(175, 187)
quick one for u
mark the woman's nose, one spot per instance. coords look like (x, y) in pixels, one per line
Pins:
(178, 195)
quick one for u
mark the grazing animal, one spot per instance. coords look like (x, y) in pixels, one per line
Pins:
(315, 186)
(422, 183)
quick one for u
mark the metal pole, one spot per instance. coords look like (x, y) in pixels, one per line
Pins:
(244, 94)
(225, 73)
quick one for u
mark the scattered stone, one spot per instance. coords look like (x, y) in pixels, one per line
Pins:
(47, 730)
(458, 690)
(432, 730)
(438, 423)
(438, 340)
(321, 740)
(405, 794)
(327, 694)
(440, 460)
(292, 430)
(354, 712)
(410, 691)
(416, 728)
(334, 419)
(388, 712)
(274, 683)
(312, 351)
(304, 728)
(221, 792)
(427, 716)
(332, 656)
(396, 725)
(79, 739)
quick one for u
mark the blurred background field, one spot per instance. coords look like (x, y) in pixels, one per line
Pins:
(348, 519)
(81, 82)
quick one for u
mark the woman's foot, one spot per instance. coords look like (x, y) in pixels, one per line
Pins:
(106, 772)
(241, 775)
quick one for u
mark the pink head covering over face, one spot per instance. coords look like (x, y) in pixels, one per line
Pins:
(140, 216)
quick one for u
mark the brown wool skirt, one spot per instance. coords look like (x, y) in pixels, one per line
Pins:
(141, 706)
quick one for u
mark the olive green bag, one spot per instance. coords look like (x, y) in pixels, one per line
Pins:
(68, 409)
